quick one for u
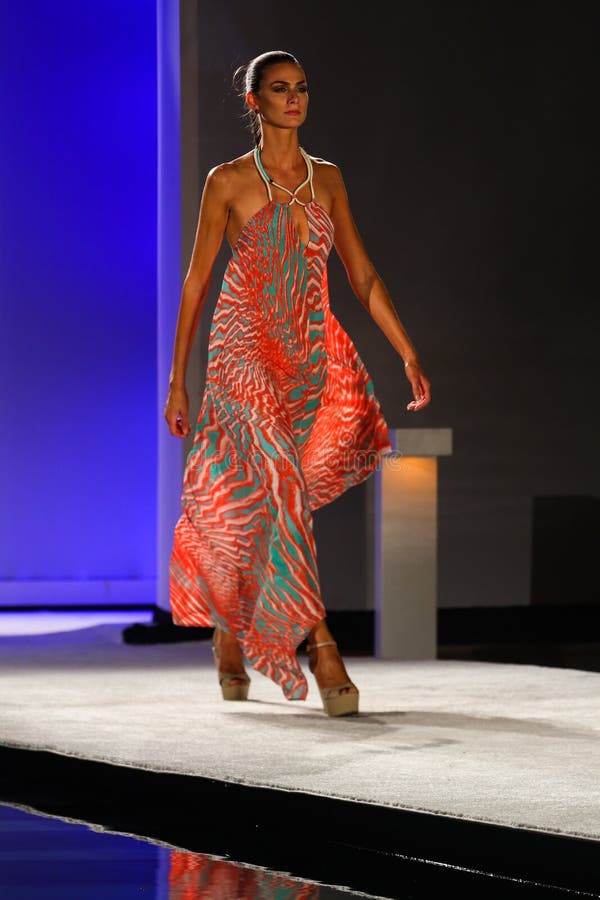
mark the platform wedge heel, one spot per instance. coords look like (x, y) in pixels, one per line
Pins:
(334, 702)
(228, 690)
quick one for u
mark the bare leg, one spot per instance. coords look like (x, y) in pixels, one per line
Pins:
(325, 663)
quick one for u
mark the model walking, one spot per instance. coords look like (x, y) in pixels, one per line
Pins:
(289, 418)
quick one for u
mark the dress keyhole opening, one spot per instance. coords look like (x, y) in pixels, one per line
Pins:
(299, 222)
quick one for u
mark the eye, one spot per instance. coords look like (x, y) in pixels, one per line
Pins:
(303, 89)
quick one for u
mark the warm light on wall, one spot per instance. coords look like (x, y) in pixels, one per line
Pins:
(403, 529)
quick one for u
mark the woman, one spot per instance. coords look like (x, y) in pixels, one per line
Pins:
(289, 418)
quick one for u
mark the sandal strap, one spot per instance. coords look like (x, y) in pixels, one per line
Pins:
(242, 676)
(310, 647)
(326, 693)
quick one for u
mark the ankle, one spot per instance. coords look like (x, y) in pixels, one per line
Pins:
(224, 638)
(320, 632)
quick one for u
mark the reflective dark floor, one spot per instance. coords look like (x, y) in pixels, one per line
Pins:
(52, 858)
(43, 857)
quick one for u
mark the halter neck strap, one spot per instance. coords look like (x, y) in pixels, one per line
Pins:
(269, 181)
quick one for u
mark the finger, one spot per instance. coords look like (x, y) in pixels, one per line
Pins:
(417, 403)
(183, 425)
(174, 423)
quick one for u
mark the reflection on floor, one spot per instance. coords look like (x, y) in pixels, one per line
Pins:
(58, 860)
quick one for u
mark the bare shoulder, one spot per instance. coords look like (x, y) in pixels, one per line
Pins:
(328, 182)
(228, 178)
(327, 171)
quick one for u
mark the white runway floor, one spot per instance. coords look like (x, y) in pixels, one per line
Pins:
(513, 745)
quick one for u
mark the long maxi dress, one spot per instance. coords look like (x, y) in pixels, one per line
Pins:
(289, 421)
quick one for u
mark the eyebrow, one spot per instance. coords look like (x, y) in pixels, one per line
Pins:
(281, 81)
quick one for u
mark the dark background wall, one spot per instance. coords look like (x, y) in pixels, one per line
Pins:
(464, 134)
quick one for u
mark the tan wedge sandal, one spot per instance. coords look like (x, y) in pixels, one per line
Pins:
(334, 702)
(232, 691)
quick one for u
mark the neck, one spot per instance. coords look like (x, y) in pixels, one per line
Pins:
(280, 150)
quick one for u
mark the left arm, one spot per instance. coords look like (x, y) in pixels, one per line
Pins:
(371, 291)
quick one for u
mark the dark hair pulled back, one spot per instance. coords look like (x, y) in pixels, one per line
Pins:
(252, 74)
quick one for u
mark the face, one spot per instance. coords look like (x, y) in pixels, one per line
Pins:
(283, 95)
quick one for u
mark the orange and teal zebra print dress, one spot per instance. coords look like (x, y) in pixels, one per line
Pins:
(289, 420)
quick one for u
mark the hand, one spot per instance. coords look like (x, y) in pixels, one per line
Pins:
(420, 386)
(176, 412)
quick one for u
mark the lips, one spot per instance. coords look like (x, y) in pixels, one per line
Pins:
(293, 112)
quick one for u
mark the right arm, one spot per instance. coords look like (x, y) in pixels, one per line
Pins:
(212, 219)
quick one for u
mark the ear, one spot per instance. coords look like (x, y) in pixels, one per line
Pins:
(251, 101)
